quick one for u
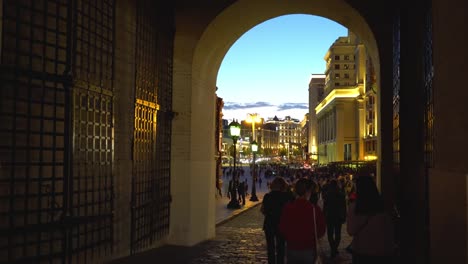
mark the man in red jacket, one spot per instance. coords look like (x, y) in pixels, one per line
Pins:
(297, 224)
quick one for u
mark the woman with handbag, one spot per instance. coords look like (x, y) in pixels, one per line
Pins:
(370, 225)
(301, 224)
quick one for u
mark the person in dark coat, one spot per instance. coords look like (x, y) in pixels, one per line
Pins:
(335, 214)
(272, 206)
(241, 192)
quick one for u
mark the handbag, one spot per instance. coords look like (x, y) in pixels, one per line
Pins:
(318, 259)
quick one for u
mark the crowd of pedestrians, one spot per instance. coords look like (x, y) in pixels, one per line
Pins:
(303, 205)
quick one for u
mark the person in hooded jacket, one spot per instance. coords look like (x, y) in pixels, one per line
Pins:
(272, 206)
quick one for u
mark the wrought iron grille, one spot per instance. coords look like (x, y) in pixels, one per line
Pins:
(396, 90)
(164, 124)
(144, 202)
(50, 212)
(33, 134)
(428, 113)
(94, 42)
(428, 92)
(92, 184)
(396, 124)
(144, 205)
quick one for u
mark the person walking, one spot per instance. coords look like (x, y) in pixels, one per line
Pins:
(335, 214)
(370, 225)
(241, 192)
(272, 206)
(297, 223)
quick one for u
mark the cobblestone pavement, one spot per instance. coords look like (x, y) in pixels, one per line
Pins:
(241, 240)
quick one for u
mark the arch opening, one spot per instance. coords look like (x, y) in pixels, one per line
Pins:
(217, 38)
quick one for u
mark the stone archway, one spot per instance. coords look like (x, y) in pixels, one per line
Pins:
(196, 67)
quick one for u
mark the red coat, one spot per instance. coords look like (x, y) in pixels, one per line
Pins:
(297, 224)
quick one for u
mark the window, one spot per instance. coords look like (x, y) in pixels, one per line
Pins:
(346, 75)
(346, 57)
(371, 130)
(337, 84)
(337, 75)
(337, 57)
(346, 66)
(347, 152)
(337, 66)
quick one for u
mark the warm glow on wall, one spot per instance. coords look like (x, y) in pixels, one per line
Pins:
(337, 93)
(370, 157)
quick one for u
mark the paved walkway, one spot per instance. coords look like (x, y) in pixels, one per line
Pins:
(223, 213)
(239, 240)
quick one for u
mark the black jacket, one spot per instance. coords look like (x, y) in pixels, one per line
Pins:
(334, 206)
(272, 206)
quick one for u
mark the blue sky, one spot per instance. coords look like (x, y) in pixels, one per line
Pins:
(268, 69)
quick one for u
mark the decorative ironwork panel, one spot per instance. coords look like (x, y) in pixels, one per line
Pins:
(92, 184)
(428, 91)
(396, 91)
(144, 202)
(151, 153)
(144, 194)
(164, 125)
(48, 213)
(94, 42)
(33, 149)
(35, 35)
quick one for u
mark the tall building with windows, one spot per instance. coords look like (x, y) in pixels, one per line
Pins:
(346, 125)
(269, 139)
(316, 90)
(370, 106)
(305, 137)
(289, 134)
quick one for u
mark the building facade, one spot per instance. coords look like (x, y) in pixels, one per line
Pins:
(316, 90)
(270, 139)
(219, 138)
(289, 135)
(346, 111)
(305, 137)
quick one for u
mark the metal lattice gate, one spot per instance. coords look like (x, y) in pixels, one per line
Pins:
(92, 185)
(151, 141)
(47, 213)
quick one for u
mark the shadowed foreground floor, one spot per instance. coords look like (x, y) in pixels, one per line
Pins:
(238, 241)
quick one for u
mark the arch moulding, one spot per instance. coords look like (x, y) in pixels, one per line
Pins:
(193, 207)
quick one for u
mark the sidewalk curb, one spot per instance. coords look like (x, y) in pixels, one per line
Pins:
(236, 214)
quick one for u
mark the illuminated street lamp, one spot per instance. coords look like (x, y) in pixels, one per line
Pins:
(253, 118)
(234, 129)
(254, 197)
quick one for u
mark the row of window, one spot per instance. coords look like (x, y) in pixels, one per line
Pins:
(345, 57)
(337, 76)
(345, 66)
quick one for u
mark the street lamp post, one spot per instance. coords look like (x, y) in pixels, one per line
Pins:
(234, 129)
(254, 197)
(253, 118)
